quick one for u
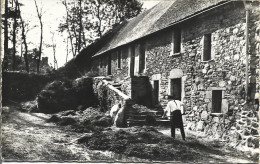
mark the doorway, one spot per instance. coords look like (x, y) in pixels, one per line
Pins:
(176, 88)
(109, 72)
(156, 91)
(132, 61)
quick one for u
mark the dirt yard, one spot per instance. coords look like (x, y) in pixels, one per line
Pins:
(28, 137)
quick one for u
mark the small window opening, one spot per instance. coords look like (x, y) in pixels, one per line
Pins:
(207, 47)
(216, 101)
(177, 41)
(119, 56)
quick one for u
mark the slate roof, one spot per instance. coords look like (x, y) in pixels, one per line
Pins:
(161, 16)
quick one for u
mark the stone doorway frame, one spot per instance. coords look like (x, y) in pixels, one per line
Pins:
(174, 74)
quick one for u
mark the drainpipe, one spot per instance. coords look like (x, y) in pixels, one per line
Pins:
(247, 21)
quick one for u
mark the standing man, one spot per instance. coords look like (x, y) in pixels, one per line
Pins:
(173, 111)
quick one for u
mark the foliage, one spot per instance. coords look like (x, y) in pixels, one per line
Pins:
(15, 30)
(87, 20)
(21, 86)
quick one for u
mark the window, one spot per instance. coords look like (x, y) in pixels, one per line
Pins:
(142, 58)
(156, 91)
(101, 62)
(176, 88)
(109, 71)
(206, 47)
(176, 41)
(119, 56)
(216, 101)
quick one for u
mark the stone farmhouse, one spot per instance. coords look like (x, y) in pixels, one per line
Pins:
(206, 52)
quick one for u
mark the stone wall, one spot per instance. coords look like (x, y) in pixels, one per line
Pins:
(226, 72)
(106, 96)
(100, 64)
(139, 89)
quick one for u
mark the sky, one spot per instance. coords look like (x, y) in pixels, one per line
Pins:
(53, 12)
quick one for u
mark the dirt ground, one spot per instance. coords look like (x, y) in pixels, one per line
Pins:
(28, 137)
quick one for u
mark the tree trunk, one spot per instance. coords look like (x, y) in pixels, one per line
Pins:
(14, 37)
(80, 25)
(40, 48)
(67, 22)
(99, 20)
(67, 51)
(76, 44)
(5, 63)
(25, 55)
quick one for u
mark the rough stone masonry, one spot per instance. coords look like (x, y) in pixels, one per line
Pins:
(224, 74)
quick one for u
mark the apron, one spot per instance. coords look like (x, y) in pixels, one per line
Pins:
(176, 118)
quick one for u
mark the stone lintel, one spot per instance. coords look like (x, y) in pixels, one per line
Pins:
(176, 73)
(156, 77)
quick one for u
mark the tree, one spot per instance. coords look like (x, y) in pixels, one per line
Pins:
(24, 41)
(5, 62)
(14, 34)
(55, 63)
(39, 14)
(88, 20)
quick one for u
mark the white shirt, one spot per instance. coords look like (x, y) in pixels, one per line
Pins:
(172, 106)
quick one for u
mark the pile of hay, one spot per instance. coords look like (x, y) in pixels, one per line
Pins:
(145, 142)
(89, 120)
(66, 95)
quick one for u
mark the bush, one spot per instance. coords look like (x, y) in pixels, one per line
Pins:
(21, 86)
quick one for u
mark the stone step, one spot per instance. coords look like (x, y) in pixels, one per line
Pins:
(139, 116)
(163, 122)
(153, 113)
(131, 116)
(135, 122)
(142, 122)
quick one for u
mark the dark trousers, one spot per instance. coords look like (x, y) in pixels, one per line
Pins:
(176, 122)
